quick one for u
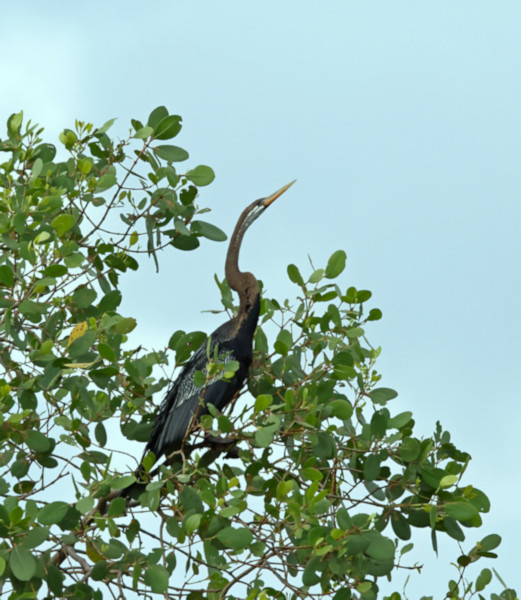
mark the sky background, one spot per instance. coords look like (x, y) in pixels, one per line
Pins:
(401, 122)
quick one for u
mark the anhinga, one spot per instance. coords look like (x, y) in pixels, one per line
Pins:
(185, 402)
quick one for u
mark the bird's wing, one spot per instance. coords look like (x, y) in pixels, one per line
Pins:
(182, 399)
(177, 423)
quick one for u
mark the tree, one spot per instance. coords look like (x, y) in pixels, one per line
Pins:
(322, 486)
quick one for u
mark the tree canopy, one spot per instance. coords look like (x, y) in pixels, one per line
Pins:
(324, 485)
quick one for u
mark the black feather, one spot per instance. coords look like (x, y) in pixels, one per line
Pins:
(184, 399)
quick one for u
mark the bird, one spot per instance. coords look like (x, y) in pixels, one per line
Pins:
(185, 402)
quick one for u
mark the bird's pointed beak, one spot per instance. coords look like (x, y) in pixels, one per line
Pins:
(267, 201)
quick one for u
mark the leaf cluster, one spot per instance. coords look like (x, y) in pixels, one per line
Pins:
(323, 485)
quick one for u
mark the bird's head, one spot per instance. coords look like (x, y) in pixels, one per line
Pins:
(259, 206)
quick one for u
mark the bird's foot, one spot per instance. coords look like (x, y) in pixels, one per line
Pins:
(227, 444)
(218, 445)
(220, 441)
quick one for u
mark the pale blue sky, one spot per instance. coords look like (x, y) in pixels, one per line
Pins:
(401, 122)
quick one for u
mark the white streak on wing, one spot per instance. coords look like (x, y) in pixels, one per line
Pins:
(185, 383)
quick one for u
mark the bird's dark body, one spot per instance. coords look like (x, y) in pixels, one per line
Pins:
(184, 399)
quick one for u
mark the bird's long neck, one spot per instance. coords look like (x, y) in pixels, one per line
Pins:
(245, 284)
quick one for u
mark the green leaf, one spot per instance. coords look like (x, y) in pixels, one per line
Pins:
(341, 409)
(371, 467)
(258, 549)
(354, 332)
(375, 314)
(120, 483)
(192, 523)
(235, 538)
(19, 221)
(344, 372)
(208, 231)
(484, 578)
(190, 499)
(14, 122)
(52, 513)
(264, 436)
(283, 342)
(37, 169)
(311, 474)
(324, 445)
(168, 127)
(363, 296)
(45, 151)
(106, 352)
(84, 505)
(479, 499)
(85, 166)
(100, 434)
(63, 223)
(453, 529)
(100, 570)
(400, 526)
(400, 420)
(106, 126)
(105, 182)
(309, 576)
(110, 301)
(144, 133)
(343, 519)
(336, 264)
(183, 242)
(320, 507)
(55, 579)
(173, 528)
(6, 276)
(409, 449)
(125, 325)
(262, 402)
(343, 358)
(74, 260)
(316, 276)
(83, 297)
(364, 587)
(461, 511)
(55, 270)
(22, 563)
(37, 441)
(156, 577)
(431, 475)
(382, 395)
(181, 228)
(490, 542)
(379, 424)
(284, 488)
(199, 379)
(448, 481)
(157, 115)
(201, 175)
(380, 548)
(35, 537)
(32, 310)
(117, 507)
(171, 153)
(294, 275)
(44, 283)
